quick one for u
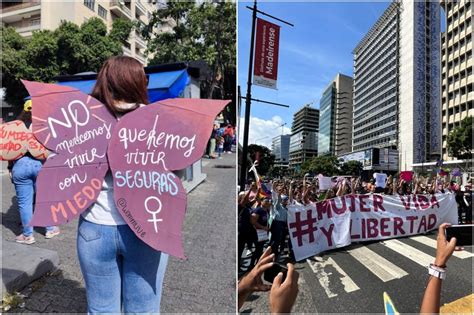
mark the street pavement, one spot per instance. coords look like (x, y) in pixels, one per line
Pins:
(353, 279)
(205, 282)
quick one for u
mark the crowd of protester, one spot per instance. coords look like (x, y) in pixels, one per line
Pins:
(221, 140)
(262, 208)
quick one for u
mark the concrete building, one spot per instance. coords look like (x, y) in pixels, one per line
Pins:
(335, 117)
(457, 79)
(281, 150)
(397, 83)
(304, 136)
(29, 16)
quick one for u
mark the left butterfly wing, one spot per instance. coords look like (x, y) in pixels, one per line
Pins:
(146, 145)
(77, 128)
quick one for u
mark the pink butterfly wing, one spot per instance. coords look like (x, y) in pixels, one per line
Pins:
(77, 128)
(147, 144)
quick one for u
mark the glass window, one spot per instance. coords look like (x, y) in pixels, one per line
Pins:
(90, 4)
(102, 12)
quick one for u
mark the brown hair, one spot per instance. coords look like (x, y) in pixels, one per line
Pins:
(25, 117)
(121, 78)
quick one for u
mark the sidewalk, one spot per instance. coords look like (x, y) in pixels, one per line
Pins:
(205, 282)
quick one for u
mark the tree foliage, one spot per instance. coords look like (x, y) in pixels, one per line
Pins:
(266, 158)
(327, 165)
(351, 168)
(204, 31)
(460, 140)
(67, 50)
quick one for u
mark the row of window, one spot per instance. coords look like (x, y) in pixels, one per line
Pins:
(458, 109)
(460, 12)
(389, 27)
(367, 59)
(379, 123)
(100, 9)
(375, 96)
(460, 44)
(460, 28)
(458, 76)
(377, 79)
(384, 141)
(389, 106)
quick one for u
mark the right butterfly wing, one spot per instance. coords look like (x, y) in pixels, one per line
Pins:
(77, 128)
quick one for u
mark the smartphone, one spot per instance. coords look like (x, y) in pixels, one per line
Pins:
(270, 274)
(462, 233)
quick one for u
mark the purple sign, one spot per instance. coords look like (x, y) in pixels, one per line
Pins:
(147, 145)
(77, 128)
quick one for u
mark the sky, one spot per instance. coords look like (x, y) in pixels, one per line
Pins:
(311, 54)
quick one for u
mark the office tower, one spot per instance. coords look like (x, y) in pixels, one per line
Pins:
(335, 117)
(281, 150)
(28, 16)
(304, 136)
(397, 83)
(457, 80)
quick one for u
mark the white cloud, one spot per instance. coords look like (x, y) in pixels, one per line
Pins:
(262, 131)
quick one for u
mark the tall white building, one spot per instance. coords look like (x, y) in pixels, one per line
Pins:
(28, 16)
(397, 83)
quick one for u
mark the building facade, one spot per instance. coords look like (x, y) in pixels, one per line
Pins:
(304, 136)
(335, 117)
(397, 83)
(457, 79)
(281, 150)
(29, 16)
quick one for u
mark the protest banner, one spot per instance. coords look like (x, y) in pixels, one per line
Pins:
(77, 128)
(337, 222)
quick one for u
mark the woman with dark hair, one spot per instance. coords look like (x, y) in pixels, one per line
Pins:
(23, 173)
(121, 272)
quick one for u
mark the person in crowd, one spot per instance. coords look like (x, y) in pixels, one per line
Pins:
(259, 219)
(212, 142)
(23, 173)
(245, 229)
(121, 272)
(279, 228)
(282, 293)
(220, 147)
(228, 138)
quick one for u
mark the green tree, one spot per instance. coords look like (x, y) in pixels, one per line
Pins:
(67, 50)
(266, 158)
(460, 140)
(351, 168)
(327, 165)
(204, 31)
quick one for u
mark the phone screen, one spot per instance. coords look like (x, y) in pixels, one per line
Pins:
(270, 274)
(462, 233)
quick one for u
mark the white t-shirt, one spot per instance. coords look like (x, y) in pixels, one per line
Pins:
(104, 211)
(380, 179)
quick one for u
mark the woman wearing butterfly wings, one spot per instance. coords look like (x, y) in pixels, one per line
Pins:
(112, 165)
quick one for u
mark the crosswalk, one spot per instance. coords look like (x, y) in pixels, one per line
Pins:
(381, 260)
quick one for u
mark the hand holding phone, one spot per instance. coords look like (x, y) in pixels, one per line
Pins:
(270, 274)
(462, 233)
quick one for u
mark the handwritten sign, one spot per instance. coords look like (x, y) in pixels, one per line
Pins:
(16, 140)
(147, 145)
(77, 128)
(337, 222)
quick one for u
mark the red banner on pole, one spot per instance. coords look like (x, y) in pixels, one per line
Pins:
(266, 54)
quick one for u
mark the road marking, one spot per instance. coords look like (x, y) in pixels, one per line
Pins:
(461, 306)
(410, 252)
(318, 265)
(432, 243)
(378, 265)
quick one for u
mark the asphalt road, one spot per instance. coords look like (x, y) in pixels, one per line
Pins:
(205, 282)
(347, 281)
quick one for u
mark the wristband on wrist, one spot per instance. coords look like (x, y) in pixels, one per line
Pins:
(437, 272)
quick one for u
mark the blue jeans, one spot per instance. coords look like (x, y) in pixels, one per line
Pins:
(24, 173)
(121, 272)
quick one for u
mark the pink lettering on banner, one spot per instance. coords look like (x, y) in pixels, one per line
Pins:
(365, 217)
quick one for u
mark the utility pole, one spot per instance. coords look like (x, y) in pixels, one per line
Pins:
(248, 98)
